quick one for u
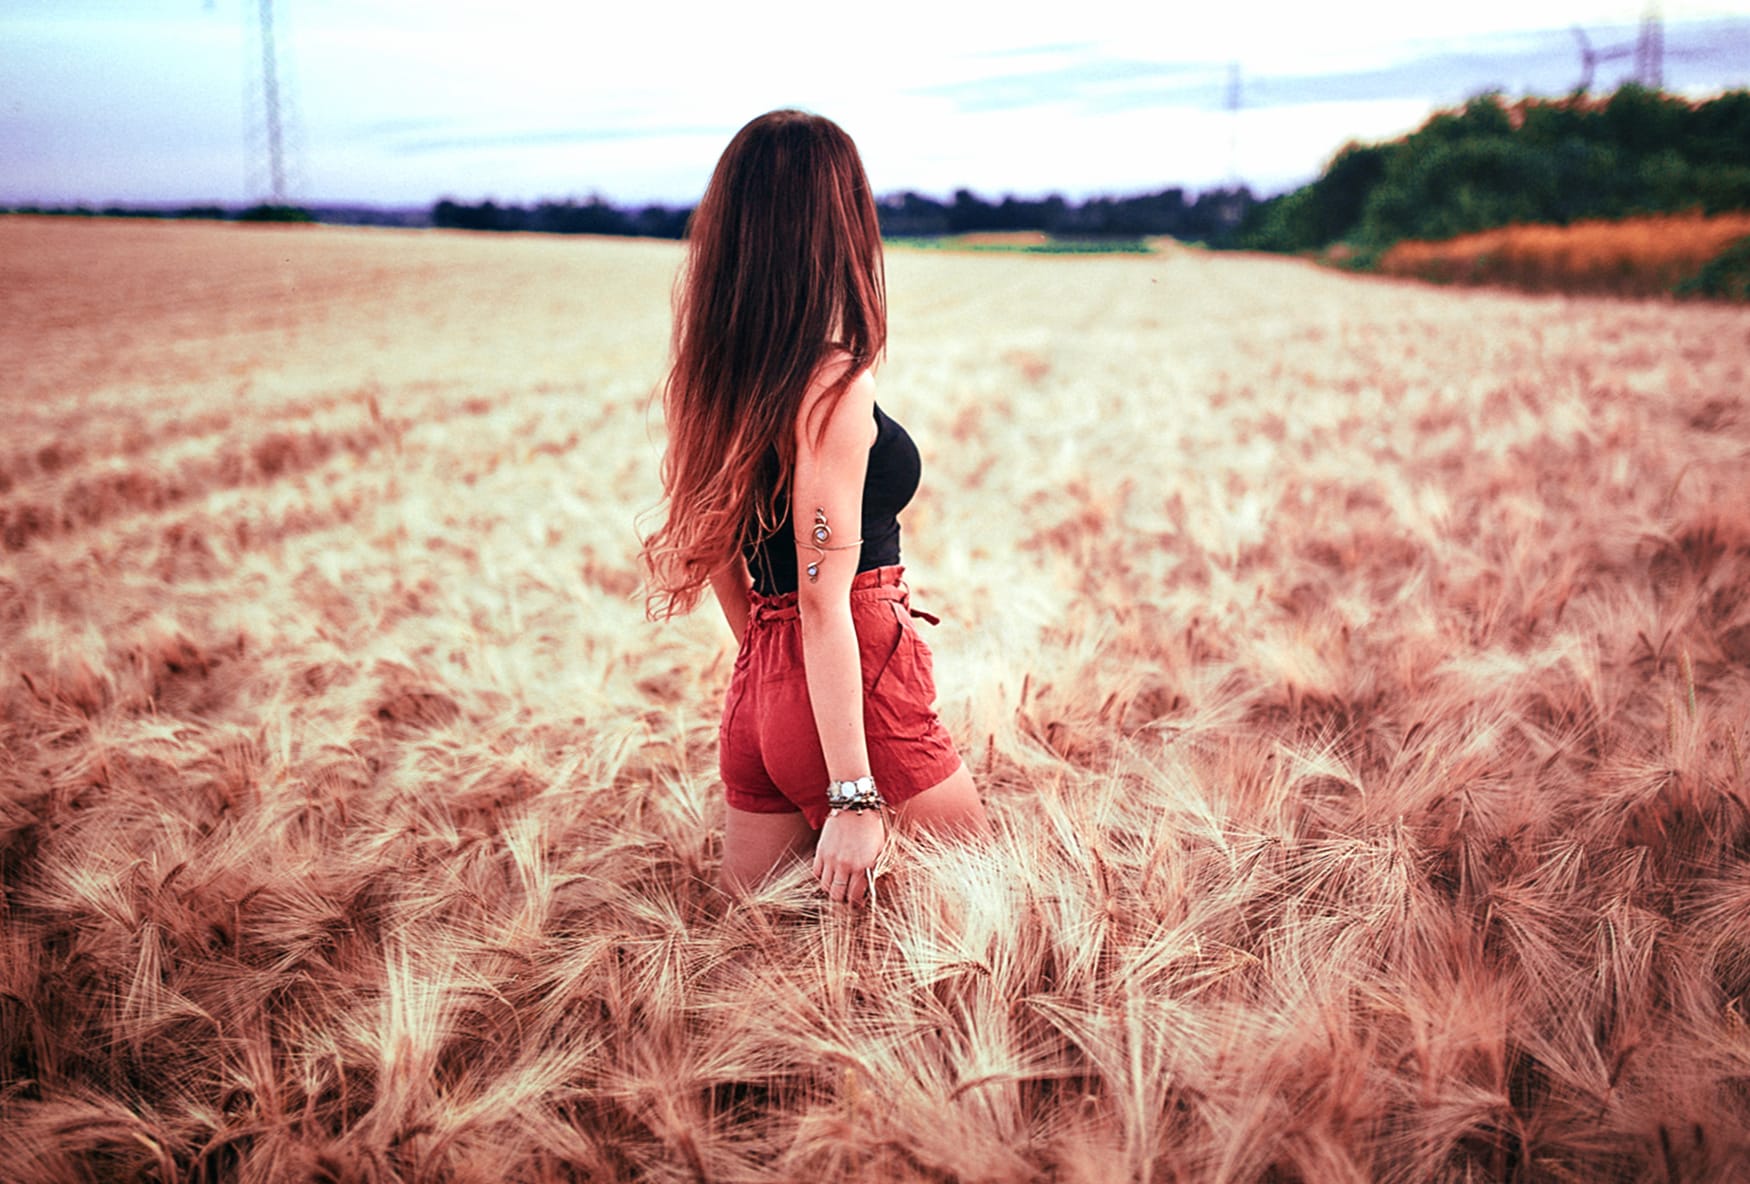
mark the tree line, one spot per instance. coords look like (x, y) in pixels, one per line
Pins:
(1214, 217)
(1494, 163)
(594, 216)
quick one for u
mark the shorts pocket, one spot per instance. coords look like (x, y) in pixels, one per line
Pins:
(902, 706)
(883, 635)
(732, 697)
(924, 664)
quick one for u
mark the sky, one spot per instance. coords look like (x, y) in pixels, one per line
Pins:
(401, 102)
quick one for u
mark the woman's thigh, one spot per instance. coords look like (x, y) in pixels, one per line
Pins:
(755, 844)
(950, 808)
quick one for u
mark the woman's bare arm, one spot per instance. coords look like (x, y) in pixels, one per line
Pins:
(829, 479)
(730, 584)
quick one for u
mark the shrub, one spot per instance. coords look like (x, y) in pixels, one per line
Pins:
(273, 213)
(1725, 277)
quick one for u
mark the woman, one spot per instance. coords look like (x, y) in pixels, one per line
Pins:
(783, 482)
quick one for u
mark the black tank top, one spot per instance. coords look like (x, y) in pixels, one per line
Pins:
(894, 469)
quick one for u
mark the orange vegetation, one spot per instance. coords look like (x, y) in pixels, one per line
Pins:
(1633, 257)
(1356, 672)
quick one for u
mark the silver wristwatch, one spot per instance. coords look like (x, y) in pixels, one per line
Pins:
(860, 794)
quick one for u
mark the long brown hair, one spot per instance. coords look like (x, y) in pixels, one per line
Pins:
(783, 269)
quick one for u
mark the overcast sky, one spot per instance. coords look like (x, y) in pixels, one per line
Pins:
(394, 102)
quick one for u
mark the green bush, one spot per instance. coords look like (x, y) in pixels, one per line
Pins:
(273, 213)
(1492, 163)
(1726, 276)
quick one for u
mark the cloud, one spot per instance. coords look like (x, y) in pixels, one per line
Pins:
(1090, 82)
(1546, 61)
(442, 139)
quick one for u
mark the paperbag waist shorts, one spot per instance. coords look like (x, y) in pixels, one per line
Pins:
(768, 746)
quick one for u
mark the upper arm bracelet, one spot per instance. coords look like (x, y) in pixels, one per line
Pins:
(820, 540)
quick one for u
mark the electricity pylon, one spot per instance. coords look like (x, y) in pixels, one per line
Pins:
(272, 122)
(1648, 52)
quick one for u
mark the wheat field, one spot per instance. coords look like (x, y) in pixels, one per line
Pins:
(1357, 673)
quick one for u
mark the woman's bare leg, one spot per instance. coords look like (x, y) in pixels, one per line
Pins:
(949, 808)
(755, 845)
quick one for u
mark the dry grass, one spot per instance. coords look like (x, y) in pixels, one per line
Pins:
(1356, 672)
(1632, 257)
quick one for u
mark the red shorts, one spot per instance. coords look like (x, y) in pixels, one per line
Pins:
(768, 748)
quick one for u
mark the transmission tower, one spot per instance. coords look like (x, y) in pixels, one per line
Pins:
(1590, 58)
(272, 124)
(1648, 52)
(1233, 123)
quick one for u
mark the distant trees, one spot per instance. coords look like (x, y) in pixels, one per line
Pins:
(1214, 217)
(1493, 163)
(275, 213)
(255, 213)
(594, 216)
(215, 213)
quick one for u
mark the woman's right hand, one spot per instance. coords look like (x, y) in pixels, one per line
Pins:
(850, 843)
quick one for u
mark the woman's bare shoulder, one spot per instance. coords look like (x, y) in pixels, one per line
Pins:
(833, 369)
(854, 406)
